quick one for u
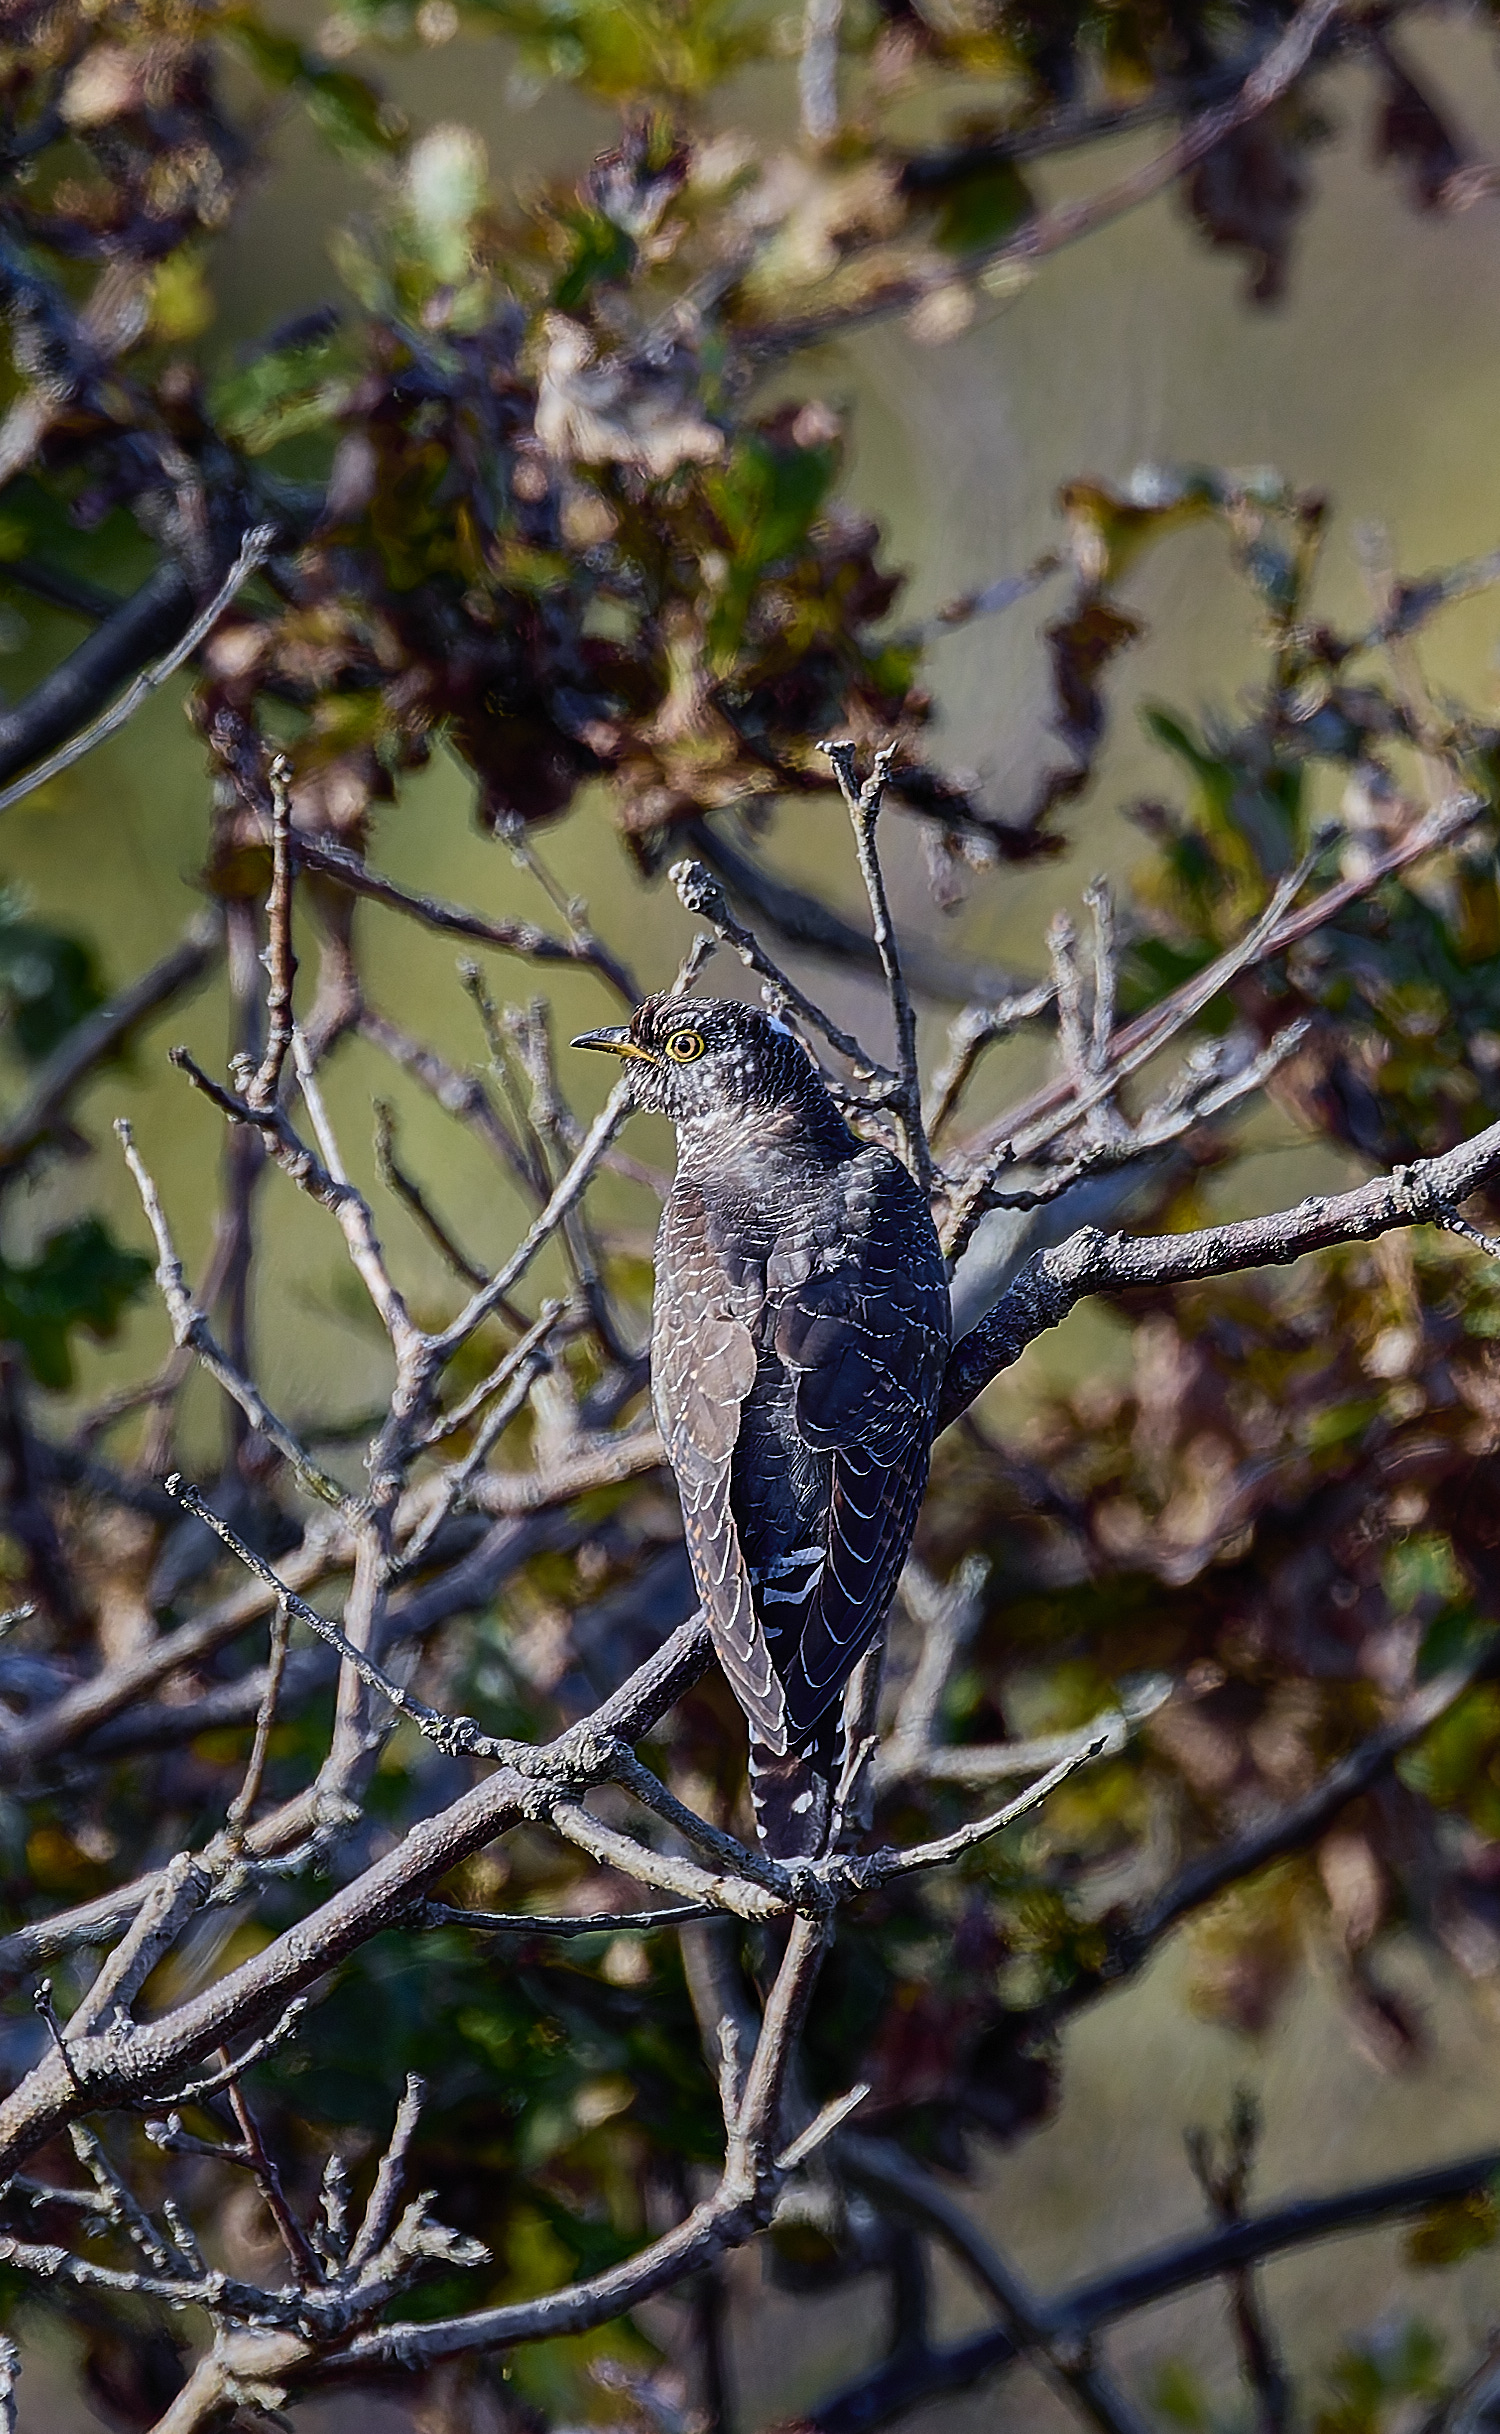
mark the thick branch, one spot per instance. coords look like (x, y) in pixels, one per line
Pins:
(1429, 1192)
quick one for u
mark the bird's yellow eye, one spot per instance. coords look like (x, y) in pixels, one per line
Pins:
(684, 1046)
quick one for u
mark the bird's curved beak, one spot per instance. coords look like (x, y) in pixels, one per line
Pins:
(615, 1041)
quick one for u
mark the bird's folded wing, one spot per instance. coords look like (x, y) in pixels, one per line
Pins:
(868, 1339)
(703, 1362)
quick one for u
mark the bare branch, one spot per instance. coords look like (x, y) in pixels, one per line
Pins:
(242, 1807)
(461, 1095)
(592, 1922)
(882, 2168)
(878, 1867)
(970, 1033)
(281, 963)
(1224, 2178)
(457, 1736)
(411, 1196)
(1196, 1096)
(511, 1383)
(254, 550)
(190, 1329)
(947, 1614)
(1026, 1129)
(566, 1192)
(233, 2067)
(333, 1191)
(1429, 1192)
(818, 70)
(300, 2253)
(905, 2382)
(701, 894)
(864, 804)
(375, 2230)
(346, 869)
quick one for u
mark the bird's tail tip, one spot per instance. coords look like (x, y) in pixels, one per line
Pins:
(792, 1796)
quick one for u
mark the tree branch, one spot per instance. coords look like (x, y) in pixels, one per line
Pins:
(1428, 1192)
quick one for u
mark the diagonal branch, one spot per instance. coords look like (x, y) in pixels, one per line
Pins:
(1427, 1192)
(864, 805)
(1049, 231)
(909, 2381)
(253, 552)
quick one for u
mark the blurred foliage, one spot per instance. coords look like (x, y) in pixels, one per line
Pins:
(48, 982)
(1375, 2382)
(82, 1278)
(535, 505)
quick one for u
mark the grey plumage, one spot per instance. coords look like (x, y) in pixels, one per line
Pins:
(800, 1332)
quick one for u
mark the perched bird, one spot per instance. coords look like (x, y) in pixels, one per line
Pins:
(799, 1336)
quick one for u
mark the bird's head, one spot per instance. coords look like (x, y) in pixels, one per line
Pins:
(702, 1059)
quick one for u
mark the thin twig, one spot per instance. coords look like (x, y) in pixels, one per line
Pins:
(1224, 2178)
(511, 1383)
(411, 1196)
(191, 1330)
(565, 1193)
(701, 894)
(457, 1736)
(300, 2252)
(101, 1035)
(254, 550)
(242, 1807)
(818, 70)
(969, 1034)
(346, 869)
(233, 2067)
(385, 2196)
(864, 805)
(281, 962)
(1278, 928)
(594, 1922)
(881, 2167)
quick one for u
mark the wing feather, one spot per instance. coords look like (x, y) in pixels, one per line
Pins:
(703, 1365)
(867, 1337)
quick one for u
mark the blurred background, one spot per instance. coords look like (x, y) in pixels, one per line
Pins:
(1375, 374)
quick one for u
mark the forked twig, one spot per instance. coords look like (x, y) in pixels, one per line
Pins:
(864, 805)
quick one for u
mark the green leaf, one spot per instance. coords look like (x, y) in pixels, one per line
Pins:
(353, 114)
(1453, 1765)
(83, 1278)
(292, 389)
(598, 250)
(1400, 2362)
(48, 982)
(1456, 1636)
(1459, 2228)
(766, 500)
(984, 210)
(1179, 2396)
(1420, 1569)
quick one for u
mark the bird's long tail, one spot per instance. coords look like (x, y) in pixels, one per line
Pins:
(793, 1794)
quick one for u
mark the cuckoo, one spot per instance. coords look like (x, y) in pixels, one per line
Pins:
(799, 1335)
